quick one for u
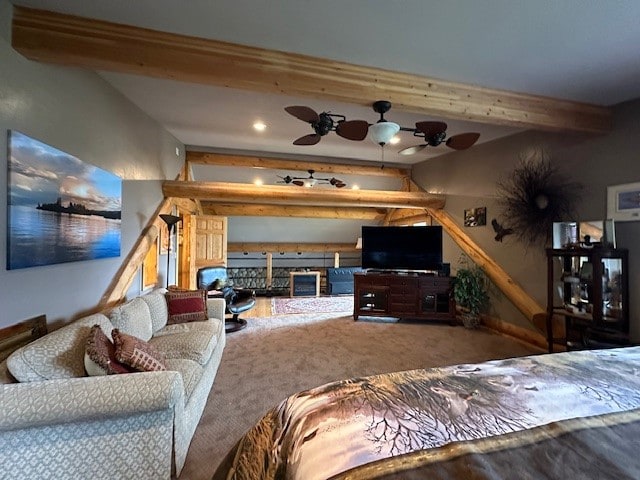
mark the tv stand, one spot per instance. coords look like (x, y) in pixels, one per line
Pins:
(406, 295)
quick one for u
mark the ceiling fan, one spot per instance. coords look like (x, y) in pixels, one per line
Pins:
(311, 181)
(433, 133)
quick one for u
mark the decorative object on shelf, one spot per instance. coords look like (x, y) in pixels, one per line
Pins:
(311, 181)
(59, 209)
(500, 231)
(470, 292)
(623, 202)
(534, 196)
(381, 132)
(475, 217)
(171, 221)
(564, 234)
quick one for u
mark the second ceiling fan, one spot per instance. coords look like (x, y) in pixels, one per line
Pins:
(434, 133)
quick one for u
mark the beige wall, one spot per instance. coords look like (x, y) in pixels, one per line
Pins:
(469, 180)
(77, 112)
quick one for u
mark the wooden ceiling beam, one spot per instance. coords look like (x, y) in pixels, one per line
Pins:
(265, 210)
(208, 158)
(70, 40)
(286, 195)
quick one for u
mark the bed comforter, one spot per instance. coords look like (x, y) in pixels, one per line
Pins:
(544, 414)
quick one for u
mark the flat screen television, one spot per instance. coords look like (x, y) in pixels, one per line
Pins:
(402, 248)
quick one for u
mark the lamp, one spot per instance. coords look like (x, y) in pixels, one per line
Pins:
(171, 221)
(382, 132)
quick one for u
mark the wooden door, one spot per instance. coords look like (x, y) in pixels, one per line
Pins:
(207, 243)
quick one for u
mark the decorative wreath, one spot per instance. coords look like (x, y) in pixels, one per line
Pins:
(534, 196)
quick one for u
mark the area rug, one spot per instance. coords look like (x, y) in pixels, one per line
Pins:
(283, 305)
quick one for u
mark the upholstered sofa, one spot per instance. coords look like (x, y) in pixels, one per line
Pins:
(57, 422)
(340, 280)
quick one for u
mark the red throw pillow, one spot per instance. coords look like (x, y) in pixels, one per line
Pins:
(137, 353)
(100, 355)
(186, 305)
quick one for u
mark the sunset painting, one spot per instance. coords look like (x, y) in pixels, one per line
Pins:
(60, 209)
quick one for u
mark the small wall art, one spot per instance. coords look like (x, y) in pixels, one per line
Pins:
(475, 217)
(59, 208)
(623, 202)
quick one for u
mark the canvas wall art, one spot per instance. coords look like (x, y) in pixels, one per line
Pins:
(623, 202)
(59, 208)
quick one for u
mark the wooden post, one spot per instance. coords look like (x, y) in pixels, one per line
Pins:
(269, 271)
(336, 260)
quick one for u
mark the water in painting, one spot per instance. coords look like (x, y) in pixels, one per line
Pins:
(60, 209)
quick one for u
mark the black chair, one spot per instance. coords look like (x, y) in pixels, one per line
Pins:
(215, 281)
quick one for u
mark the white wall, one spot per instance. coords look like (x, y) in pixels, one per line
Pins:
(77, 112)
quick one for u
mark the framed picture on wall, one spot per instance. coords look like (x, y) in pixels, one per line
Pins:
(623, 202)
(60, 209)
(475, 217)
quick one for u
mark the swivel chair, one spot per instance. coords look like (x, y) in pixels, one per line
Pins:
(215, 281)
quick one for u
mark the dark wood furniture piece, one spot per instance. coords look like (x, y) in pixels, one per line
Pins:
(412, 295)
(18, 335)
(588, 289)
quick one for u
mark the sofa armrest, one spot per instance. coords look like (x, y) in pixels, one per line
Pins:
(35, 404)
(216, 307)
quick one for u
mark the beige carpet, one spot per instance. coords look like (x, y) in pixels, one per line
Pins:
(277, 356)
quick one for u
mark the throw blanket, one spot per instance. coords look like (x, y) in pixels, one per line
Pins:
(392, 419)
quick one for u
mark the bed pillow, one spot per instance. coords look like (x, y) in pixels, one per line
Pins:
(100, 355)
(137, 353)
(186, 306)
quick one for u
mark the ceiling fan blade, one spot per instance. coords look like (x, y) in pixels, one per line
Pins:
(431, 129)
(303, 113)
(340, 185)
(463, 140)
(310, 139)
(353, 129)
(412, 150)
(299, 183)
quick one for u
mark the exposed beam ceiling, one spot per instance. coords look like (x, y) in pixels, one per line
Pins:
(206, 158)
(265, 210)
(290, 247)
(69, 40)
(285, 195)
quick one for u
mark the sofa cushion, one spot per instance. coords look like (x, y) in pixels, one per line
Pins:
(100, 354)
(190, 371)
(186, 305)
(137, 353)
(133, 318)
(57, 355)
(157, 308)
(193, 341)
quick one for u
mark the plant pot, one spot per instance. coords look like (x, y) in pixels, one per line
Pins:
(470, 320)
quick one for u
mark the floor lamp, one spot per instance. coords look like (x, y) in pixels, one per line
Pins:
(171, 221)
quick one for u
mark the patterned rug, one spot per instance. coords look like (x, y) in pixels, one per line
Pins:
(283, 305)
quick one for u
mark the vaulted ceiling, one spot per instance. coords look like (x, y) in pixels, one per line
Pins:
(454, 61)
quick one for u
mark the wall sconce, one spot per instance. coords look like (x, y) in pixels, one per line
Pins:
(359, 243)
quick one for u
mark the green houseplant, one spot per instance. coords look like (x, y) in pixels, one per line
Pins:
(470, 293)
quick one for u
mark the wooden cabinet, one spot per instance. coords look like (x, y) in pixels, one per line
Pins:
(415, 296)
(588, 292)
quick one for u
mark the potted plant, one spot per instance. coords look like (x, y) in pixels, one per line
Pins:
(470, 293)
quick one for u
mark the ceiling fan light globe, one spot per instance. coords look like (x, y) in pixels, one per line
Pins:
(382, 132)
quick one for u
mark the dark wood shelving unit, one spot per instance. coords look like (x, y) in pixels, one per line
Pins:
(404, 295)
(588, 289)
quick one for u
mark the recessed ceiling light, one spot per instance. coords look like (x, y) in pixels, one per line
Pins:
(355, 187)
(394, 140)
(258, 182)
(259, 126)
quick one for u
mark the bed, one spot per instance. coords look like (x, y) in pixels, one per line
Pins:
(563, 415)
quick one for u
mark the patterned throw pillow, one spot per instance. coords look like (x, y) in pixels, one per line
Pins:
(137, 353)
(100, 355)
(186, 306)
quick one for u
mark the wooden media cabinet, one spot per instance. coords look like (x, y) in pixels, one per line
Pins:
(404, 295)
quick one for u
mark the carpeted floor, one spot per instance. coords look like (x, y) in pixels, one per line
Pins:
(278, 356)
(284, 305)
